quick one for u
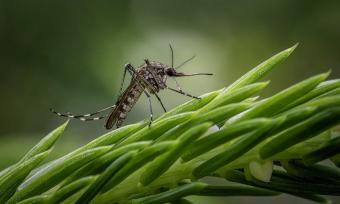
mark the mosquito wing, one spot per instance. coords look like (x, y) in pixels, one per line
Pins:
(112, 119)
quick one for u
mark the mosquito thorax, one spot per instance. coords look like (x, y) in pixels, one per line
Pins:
(155, 73)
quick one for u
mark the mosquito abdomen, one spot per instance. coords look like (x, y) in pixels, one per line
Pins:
(124, 105)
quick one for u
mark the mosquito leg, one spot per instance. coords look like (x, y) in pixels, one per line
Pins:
(160, 101)
(150, 106)
(83, 117)
(179, 90)
(91, 119)
(123, 79)
(177, 84)
(183, 93)
(78, 117)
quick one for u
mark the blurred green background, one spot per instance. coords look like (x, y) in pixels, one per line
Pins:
(69, 55)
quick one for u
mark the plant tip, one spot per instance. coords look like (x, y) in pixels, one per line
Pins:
(295, 45)
(291, 49)
(65, 123)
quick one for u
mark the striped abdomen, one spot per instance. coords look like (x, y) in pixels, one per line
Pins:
(124, 105)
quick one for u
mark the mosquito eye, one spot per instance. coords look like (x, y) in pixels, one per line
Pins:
(170, 72)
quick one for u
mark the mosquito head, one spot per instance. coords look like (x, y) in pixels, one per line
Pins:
(171, 72)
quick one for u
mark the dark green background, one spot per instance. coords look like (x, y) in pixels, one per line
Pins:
(69, 55)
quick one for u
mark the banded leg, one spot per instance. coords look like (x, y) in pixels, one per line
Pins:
(179, 90)
(183, 93)
(84, 117)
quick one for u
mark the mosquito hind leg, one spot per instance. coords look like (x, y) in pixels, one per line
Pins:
(78, 117)
(84, 117)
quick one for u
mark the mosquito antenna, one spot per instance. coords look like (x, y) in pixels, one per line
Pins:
(186, 61)
(194, 74)
(172, 55)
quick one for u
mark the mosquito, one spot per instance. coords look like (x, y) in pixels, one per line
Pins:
(149, 78)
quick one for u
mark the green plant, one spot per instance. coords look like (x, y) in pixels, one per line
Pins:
(262, 147)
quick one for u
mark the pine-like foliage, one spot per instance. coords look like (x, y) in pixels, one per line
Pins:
(261, 147)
